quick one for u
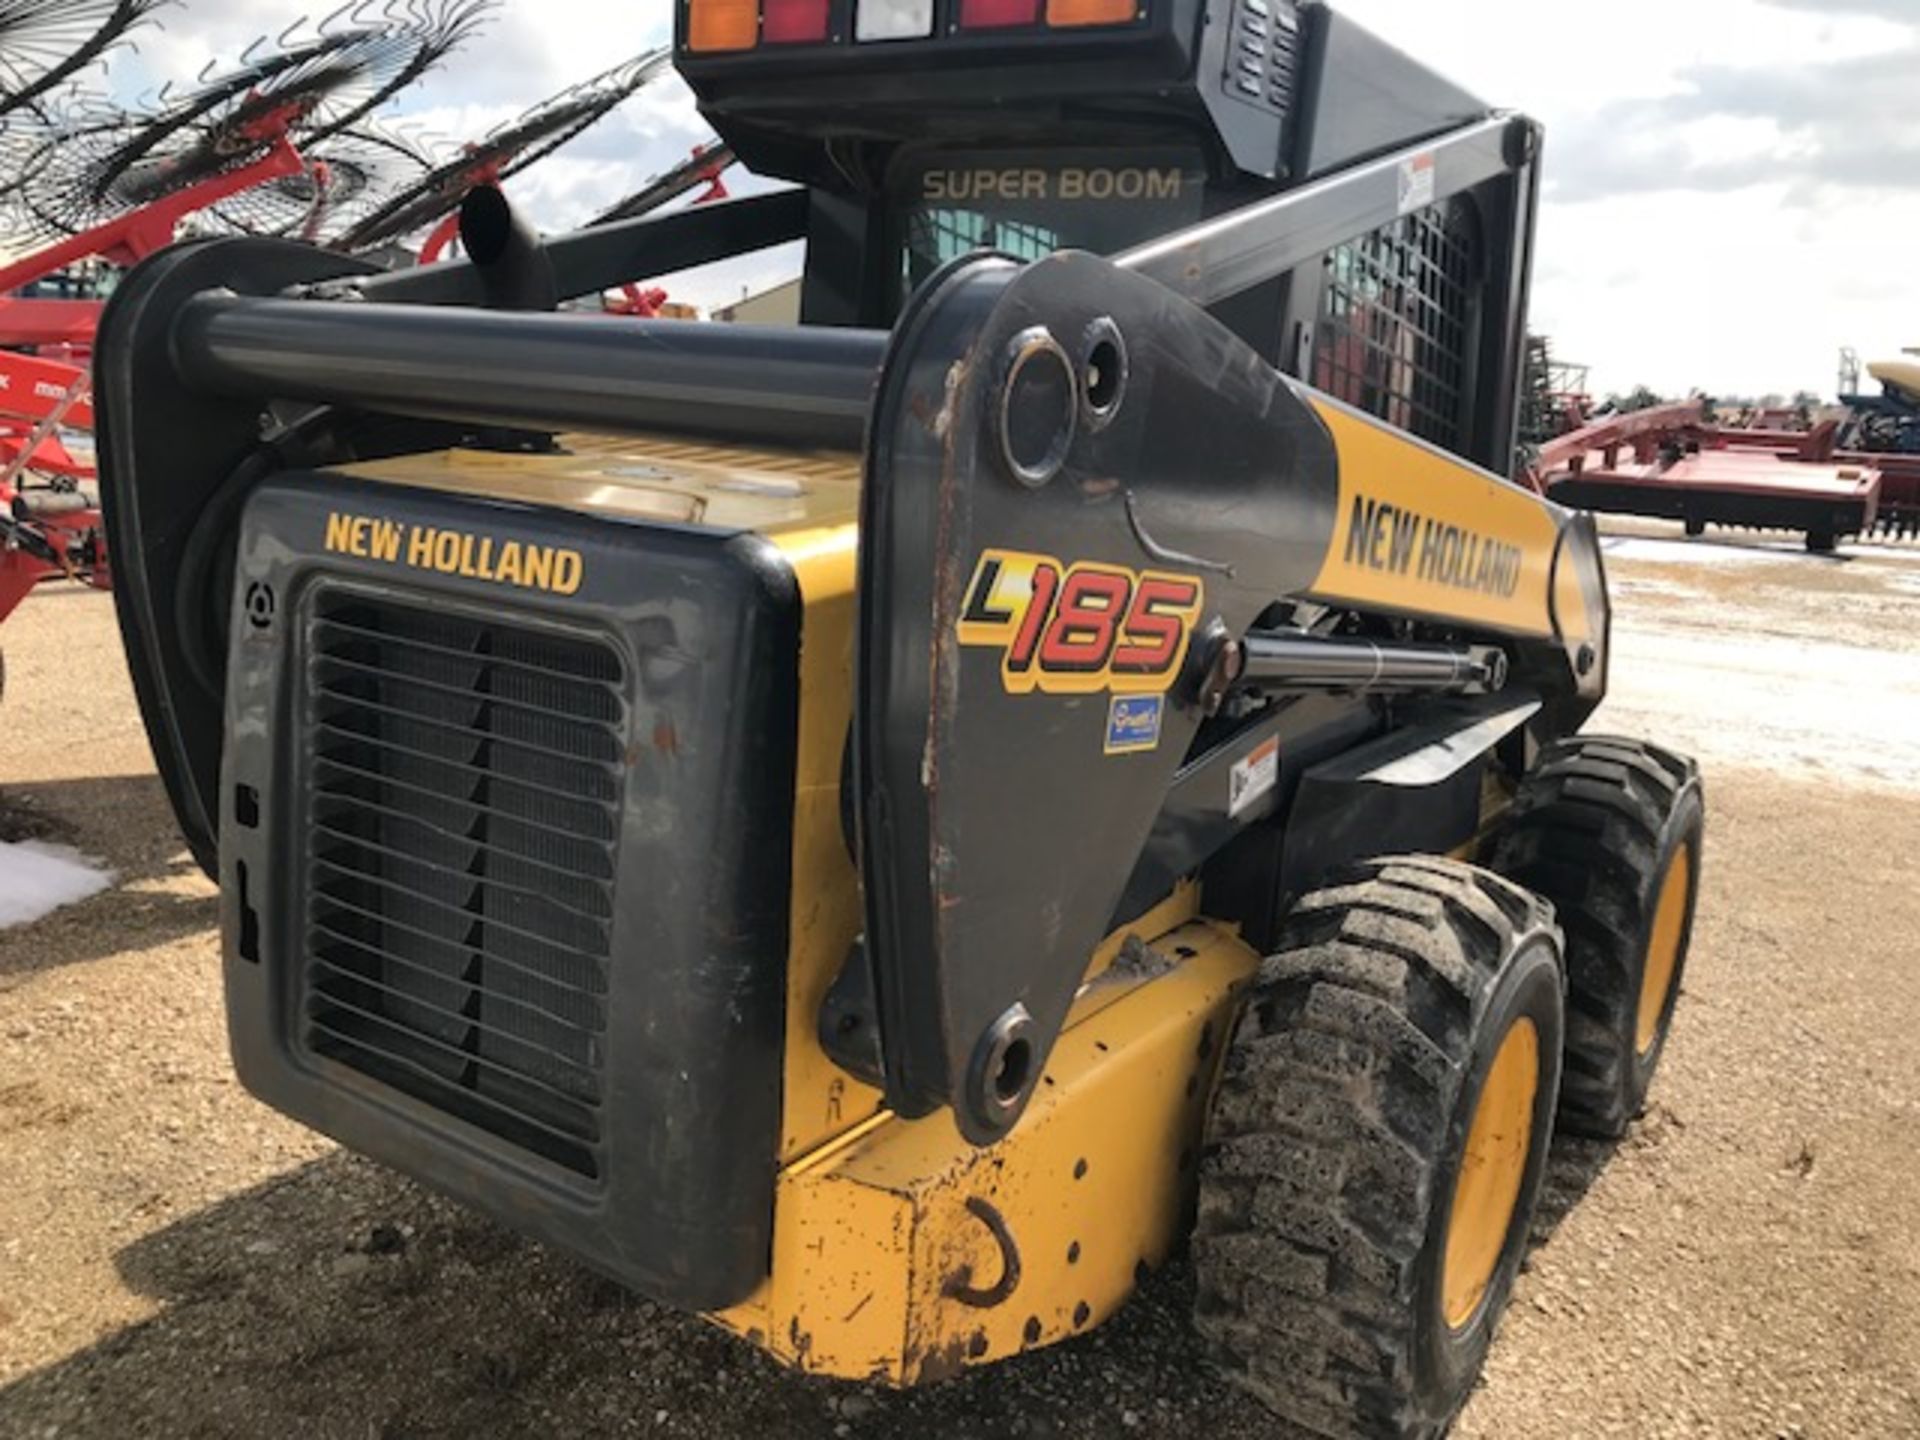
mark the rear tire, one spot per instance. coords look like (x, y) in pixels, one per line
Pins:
(1411, 1018)
(1610, 832)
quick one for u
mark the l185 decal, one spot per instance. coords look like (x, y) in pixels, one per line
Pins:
(1080, 629)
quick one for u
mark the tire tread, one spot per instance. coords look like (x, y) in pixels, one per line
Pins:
(1330, 1120)
(1585, 831)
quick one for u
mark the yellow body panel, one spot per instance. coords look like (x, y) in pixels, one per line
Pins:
(725, 486)
(820, 1100)
(875, 1237)
(1421, 532)
(1471, 548)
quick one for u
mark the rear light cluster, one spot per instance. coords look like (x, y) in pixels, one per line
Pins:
(715, 25)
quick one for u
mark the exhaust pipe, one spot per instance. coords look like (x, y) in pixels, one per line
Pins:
(515, 270)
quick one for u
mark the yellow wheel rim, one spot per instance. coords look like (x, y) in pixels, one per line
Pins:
(1495, 1162)
(1663, 949)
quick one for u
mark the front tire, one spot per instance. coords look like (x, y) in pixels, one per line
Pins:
(1377, 1145)
(1610, 832)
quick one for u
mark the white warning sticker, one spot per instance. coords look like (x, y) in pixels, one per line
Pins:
(1253, 778)
(1416, 183)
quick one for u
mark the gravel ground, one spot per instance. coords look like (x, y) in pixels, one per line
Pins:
(176, 1260)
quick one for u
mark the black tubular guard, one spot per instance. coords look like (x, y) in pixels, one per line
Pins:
(1063, 413)
(200, 350)
(171, 484)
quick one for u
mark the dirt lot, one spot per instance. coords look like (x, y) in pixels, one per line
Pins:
(175, 1260)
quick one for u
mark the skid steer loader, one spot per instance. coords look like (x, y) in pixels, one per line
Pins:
(883, 831)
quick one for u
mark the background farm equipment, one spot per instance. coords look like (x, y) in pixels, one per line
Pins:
(1887, 424)
(1556, 395)
(50, 525)
(269, 148)
(281, 144)
(46, 43)
(1837, 478)
(707, 166)
(433, 197)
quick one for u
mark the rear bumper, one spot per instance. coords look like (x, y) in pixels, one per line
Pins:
(903, 1253)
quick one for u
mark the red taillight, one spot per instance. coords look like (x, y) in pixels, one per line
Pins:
(997, 14)
(794, 22)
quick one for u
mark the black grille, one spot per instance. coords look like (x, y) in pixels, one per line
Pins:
(1396, 323)
(464, 793)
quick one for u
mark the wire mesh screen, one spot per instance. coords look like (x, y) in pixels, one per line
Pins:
(1396, 322)
(935, 236)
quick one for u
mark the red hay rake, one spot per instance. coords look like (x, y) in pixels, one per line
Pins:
(49, 524)
(97, 182)
(707, 166)
(283, 144)
(434, 198)
(46, 43)
(277, 146)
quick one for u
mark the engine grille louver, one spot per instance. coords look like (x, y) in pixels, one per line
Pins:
(464, 792)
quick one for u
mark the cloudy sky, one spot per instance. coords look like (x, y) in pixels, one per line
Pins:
(1733, 185)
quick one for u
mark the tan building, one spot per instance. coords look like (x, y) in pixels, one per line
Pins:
(778, 306)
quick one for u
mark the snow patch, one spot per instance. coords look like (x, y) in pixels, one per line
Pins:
(1696, 552)
(1756, 551)
(37, 878)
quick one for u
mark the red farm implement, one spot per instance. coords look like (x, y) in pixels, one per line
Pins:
(267, 149)
(1670, 463)
(123, 241)
(44, 44)
(707, 167)
(433, 198)
(275, 147)
(282, 145)
(49, 515)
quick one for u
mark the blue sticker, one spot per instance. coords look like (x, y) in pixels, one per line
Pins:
(1133, 723)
